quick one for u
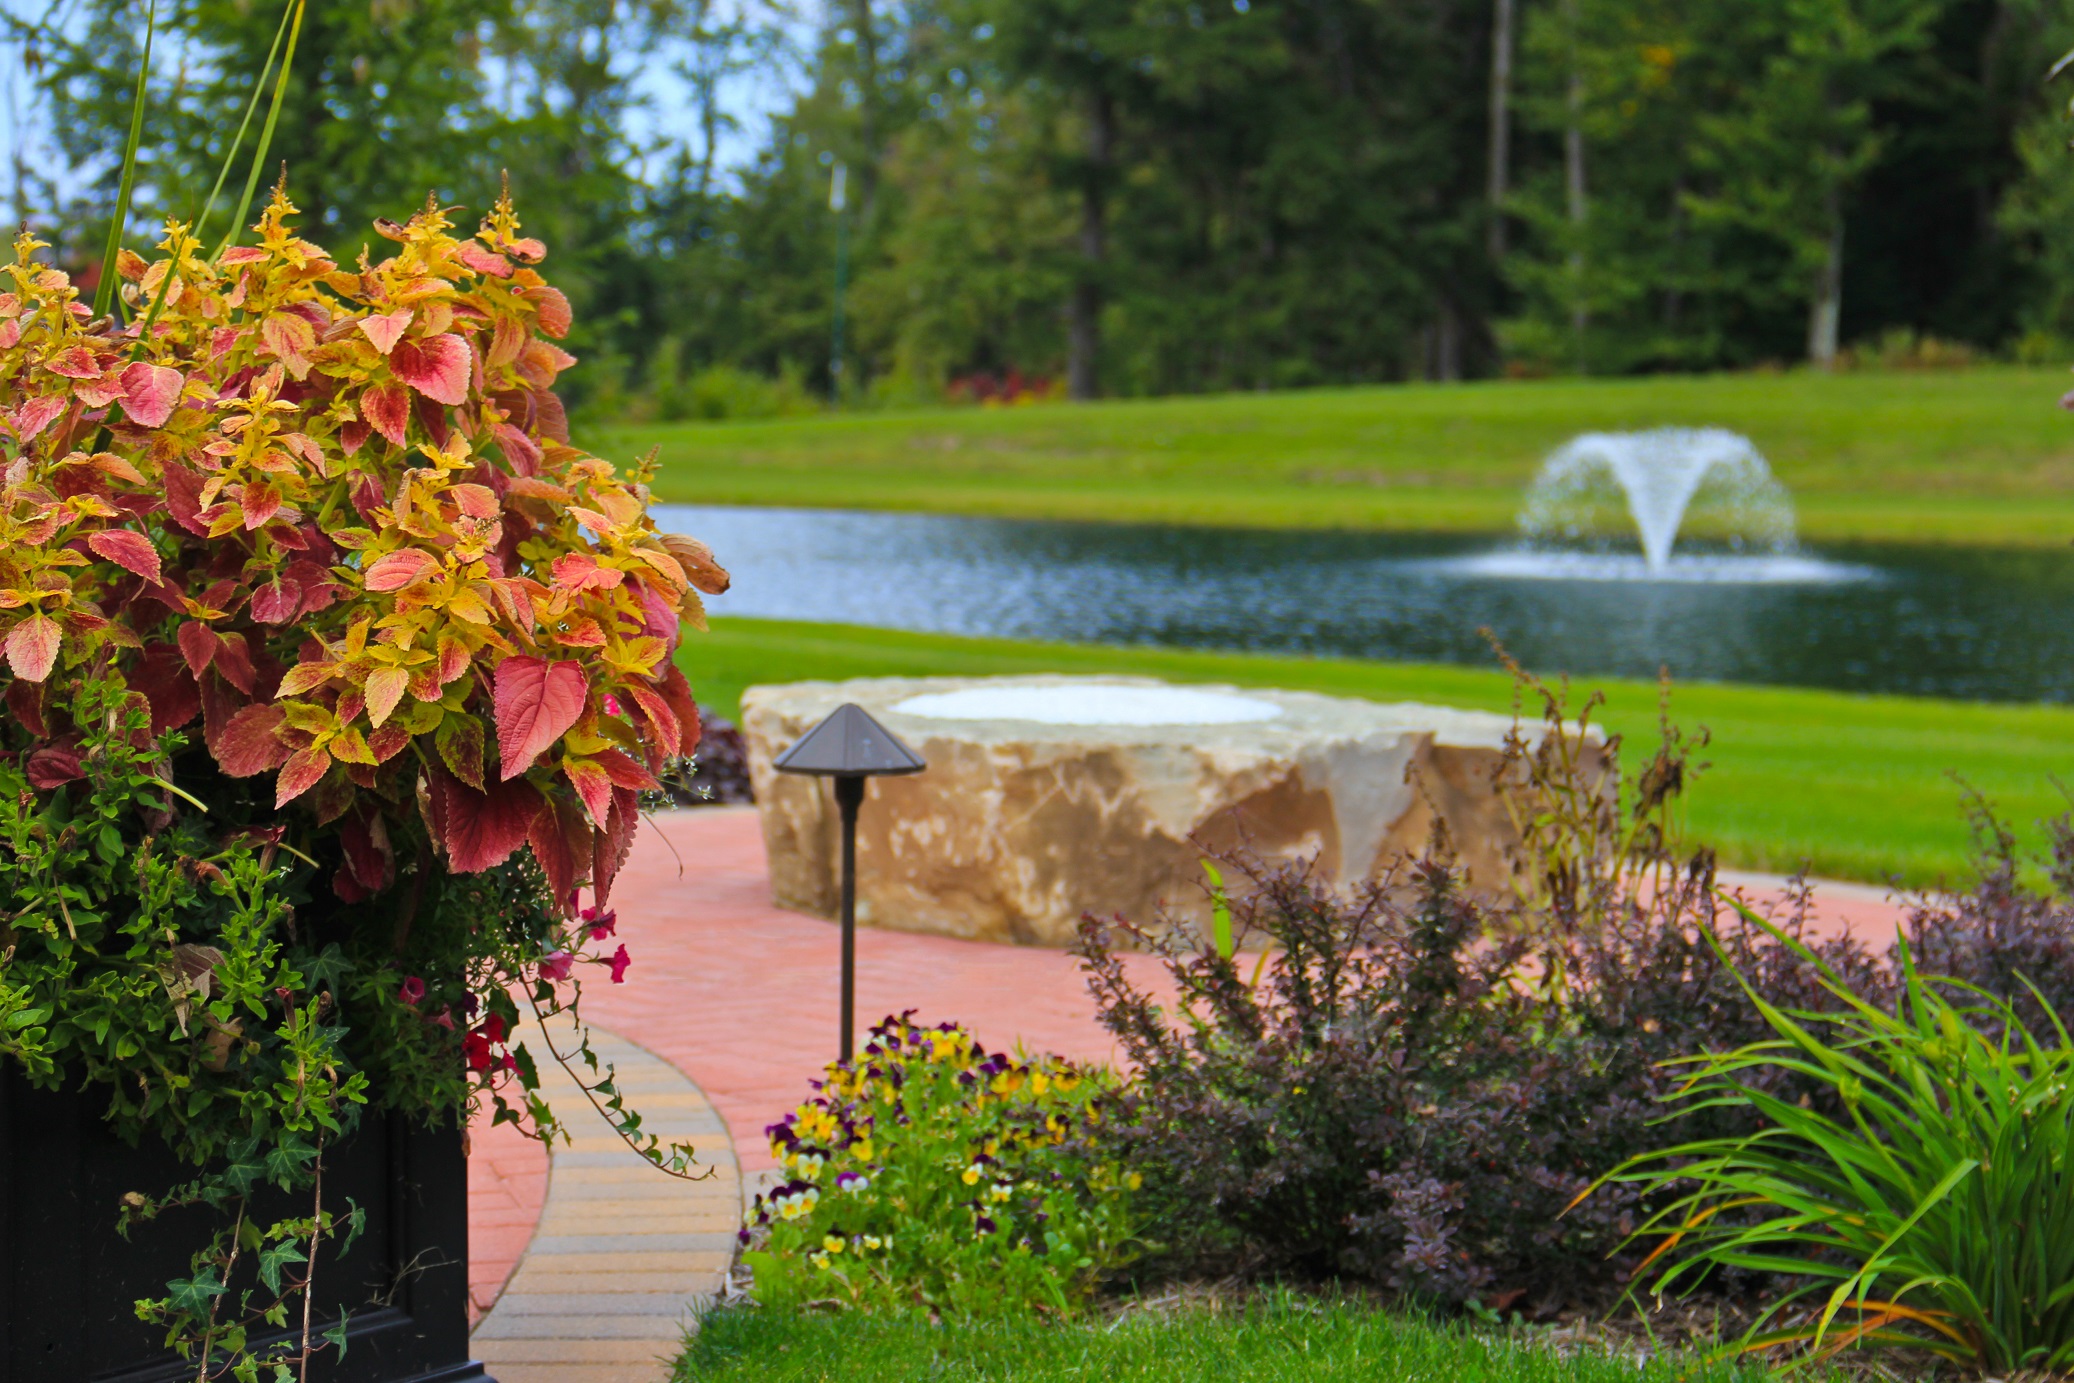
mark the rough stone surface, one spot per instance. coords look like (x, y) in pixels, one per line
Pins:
(1019, 826)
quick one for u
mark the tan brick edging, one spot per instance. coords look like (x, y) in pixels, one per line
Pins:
(623, 1254)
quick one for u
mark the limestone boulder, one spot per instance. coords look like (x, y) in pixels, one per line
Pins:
(1047, 797)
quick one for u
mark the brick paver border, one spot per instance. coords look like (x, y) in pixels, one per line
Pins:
(623, 1255)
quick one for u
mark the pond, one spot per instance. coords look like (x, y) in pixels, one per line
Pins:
(1978, 624)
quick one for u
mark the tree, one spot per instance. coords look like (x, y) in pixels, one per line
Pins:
(1790, 155)
(385, 102)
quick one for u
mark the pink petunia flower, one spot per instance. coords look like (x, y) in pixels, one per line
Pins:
(619, 963)
(413, 990)
(556, 967)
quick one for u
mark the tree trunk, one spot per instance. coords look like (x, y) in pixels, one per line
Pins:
(1573, 185)
(1500, 157)
(1444, 343)
(1083, 325)
(1826, 304)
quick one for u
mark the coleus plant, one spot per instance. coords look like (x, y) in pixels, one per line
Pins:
(335, 515)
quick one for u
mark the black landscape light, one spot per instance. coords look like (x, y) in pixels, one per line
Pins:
(849, 746)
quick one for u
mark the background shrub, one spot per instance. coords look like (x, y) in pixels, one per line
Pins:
(1390, 1091)
(1412, 1085)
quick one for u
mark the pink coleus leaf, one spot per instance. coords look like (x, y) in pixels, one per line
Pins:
(660, 716)
(75, 362)
(250, 743)
(481, 829)
(52, 766)
(399, 569)
(552, 307)
(536, 702)
(594, 785)
(276, 601)
(198, 644)
(384, 328)
(101, 391)
(150, 393)
(386, 407)
(32, 647)
(437, 366)
(579, 571)
(483, 261)
(303, 771)
(37, 414)
(128, 549)
(260, 500)
(624, 771)
(291, 338)
(385, 687)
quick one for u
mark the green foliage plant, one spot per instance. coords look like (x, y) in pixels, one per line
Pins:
(312, 620)
(1924, 1197)
(934, 1176)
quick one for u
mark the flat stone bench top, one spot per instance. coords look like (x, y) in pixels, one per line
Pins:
(1047, 797)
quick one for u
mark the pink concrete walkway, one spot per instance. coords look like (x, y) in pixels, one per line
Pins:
(741, 996)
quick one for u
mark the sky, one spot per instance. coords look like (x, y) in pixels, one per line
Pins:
(667, 116)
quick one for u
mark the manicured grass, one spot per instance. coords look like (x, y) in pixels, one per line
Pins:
(1976, 456)
(1854, 787)
(1285, 1339)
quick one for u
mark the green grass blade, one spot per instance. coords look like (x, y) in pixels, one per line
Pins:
(230, 155)
(266, 134)
(104, 291)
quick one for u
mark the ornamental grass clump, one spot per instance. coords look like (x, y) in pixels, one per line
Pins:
(1928, 1201)
(934, 1176)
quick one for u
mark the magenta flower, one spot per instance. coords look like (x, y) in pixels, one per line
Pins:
(612, 705)
(619, 963)
(413, 990)
(601, 924)
(556, 966)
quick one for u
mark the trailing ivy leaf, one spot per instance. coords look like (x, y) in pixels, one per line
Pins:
(194, 1294)
(272, 1260)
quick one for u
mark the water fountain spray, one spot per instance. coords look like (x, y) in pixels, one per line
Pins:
(1658, 476)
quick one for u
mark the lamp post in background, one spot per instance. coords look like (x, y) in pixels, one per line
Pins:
(838, 184)
(849, 746)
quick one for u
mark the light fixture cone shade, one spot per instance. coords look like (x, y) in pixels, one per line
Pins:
(849, 744)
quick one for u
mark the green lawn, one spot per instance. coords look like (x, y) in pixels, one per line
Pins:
(1288, 1339)
(1974, 456)
(1855, 787)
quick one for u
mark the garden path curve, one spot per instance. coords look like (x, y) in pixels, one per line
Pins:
(622, 1254)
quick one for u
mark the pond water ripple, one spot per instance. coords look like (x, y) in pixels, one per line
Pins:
(1977, 624)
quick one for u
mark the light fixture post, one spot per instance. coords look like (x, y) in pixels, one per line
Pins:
(849, 796)
(849, 746)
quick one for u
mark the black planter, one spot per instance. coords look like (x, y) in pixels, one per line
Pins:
(68, 1280)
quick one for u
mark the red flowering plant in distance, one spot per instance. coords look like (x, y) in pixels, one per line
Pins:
(333, 674)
